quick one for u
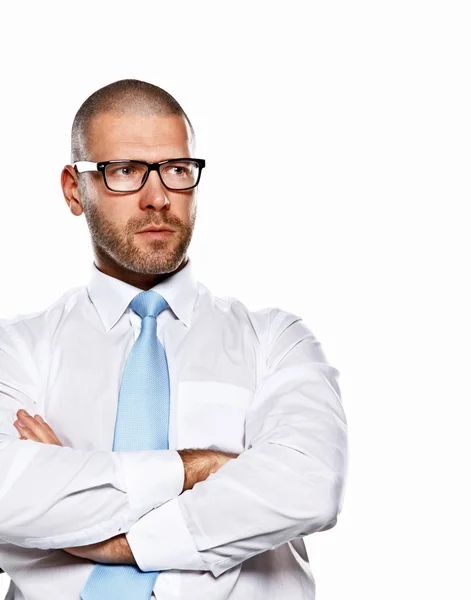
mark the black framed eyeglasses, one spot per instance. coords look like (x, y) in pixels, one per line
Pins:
(126, 176)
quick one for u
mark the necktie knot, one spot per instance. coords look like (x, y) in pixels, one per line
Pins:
(148, 304)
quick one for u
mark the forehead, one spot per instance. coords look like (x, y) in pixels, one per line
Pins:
(151, 138)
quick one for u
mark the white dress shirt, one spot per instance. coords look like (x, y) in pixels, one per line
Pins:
(255, 383)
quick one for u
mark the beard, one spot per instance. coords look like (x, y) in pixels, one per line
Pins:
(120, 244)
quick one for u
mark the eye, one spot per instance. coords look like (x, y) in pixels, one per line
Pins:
(124, 171)
(177, 170)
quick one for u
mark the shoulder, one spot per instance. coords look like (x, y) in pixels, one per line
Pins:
(275, 327)
(30, 328)
(263, 319)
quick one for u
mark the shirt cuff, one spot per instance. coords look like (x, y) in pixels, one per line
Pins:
(152, 478)
(160, 540)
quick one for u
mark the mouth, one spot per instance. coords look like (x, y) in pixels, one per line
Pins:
(156, 234)
(156, 228)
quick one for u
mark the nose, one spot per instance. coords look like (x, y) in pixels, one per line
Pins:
(154, 192)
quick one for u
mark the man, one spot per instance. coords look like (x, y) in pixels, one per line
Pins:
(253, 448)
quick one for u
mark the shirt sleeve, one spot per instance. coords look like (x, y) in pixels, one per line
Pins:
(289, 482)
(56, 497)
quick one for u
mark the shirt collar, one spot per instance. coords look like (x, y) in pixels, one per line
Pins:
(111, 296)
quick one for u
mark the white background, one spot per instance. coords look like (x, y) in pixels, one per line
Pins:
(337, 139)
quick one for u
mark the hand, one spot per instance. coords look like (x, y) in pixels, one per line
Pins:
(34, 428)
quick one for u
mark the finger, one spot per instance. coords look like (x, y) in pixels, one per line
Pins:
(22, 437)
(35, 428)
(43, 423)
(40, 431)
(25, 432)
(52, 437)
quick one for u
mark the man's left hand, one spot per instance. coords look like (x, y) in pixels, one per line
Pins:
(115, 550)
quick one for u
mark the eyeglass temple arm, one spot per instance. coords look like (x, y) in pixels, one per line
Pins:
(85, 165)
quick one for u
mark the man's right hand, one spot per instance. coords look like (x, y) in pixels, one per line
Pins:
(199, 464)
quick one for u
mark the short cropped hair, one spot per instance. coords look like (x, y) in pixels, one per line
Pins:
(126, 96)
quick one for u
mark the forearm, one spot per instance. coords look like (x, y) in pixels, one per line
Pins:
(198, 465)
(258, 502)
(53, 497)
(289, 484)
(98, 481)
(116, 550)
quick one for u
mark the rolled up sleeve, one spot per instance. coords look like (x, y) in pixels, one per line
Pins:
(289, 482)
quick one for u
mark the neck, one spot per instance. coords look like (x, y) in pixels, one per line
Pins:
(139, 280)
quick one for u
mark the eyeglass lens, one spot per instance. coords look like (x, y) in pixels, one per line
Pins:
(126, 177)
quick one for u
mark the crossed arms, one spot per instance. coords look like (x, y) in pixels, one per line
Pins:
(287, 484)
(198, 465)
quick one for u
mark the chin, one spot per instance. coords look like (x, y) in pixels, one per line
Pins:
(165, 264)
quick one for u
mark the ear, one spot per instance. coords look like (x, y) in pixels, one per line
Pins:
(70, 189)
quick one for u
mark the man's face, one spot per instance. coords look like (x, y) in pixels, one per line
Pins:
(114, 219)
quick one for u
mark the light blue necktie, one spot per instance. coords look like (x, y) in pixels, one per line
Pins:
(141, 424)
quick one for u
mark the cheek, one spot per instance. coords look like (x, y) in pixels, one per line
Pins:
(192, 215)
(117, 212)
(188, 210)
(109, 216)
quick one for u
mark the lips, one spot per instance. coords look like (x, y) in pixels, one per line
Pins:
(155, 229)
